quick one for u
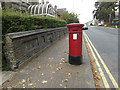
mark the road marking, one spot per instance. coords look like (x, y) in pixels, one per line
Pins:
(104, 65)
(98, 65)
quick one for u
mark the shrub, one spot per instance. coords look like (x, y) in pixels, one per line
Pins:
(70, 17)
(15, 22)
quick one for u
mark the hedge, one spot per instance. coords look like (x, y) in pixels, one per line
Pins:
(15, 22)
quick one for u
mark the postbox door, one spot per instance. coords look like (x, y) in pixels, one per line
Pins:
(75, 44)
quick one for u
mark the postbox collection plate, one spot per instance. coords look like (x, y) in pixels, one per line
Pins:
(75, 36)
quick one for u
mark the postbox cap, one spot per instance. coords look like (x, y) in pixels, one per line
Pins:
(75, 25)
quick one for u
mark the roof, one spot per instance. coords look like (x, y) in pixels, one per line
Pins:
(41, 9)
(62, 10)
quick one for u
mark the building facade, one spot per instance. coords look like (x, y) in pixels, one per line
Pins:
(33, 7)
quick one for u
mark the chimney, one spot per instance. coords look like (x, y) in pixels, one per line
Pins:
(55, 6)
(47, 2)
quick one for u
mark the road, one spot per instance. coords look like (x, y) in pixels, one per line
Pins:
(105, 40)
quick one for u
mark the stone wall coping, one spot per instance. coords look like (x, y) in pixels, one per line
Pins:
(32, 32)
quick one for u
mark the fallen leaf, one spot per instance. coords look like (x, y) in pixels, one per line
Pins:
(21, 71)
(66, 80)
(8, 81)
(61, 85)
(33, 69)
(50, 66)
(28, 79)
(31, 84)
(23, 81)
(60, 63)
(9, 87)
(39, 67)
(59, 68)
(98, 77)
(42, 74)
(69, 75)
(52, 58)
(44, 82)
(95, 71)
(62, 58)
(65, 87)
(23, 85)
(34, 87)
(53, 71)
(65, 62)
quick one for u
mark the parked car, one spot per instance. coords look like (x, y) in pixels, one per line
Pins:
(85, 27)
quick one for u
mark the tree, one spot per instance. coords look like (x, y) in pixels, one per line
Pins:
(105, 11)
(70, 17)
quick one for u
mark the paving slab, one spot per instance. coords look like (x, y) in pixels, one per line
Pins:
(6, 75)
(52, 70)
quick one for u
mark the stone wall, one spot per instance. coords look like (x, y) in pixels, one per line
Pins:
(13, 6)
(23, 46)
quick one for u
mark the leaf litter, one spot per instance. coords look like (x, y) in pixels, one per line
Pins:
(44, 82)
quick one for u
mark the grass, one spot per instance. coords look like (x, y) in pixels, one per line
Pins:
(113, 26)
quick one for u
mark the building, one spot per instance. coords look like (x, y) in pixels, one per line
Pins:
(116, 19)
(61, 11)
(117, 15)
(45, 9)
(42, 9)
(33, 7)
(17, 5)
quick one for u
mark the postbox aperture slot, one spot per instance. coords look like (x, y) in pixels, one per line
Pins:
(75, 30)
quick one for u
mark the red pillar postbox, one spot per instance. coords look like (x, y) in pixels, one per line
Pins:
(75, 43)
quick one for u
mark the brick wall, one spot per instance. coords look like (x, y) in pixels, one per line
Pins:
(23, 46)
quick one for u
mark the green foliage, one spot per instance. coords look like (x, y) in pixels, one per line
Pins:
(104, 9)
(113, 26)
(16, 22)
(51, 39)
(70, 17)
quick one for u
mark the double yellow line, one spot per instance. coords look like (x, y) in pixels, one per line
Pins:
(106, 84)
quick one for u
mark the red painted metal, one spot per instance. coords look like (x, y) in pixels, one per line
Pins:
(75, 46)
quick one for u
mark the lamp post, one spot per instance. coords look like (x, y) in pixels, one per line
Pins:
(118, 5)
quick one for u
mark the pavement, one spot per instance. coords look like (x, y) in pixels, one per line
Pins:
(52, 70)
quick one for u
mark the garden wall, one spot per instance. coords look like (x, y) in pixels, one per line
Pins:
(21, 47)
